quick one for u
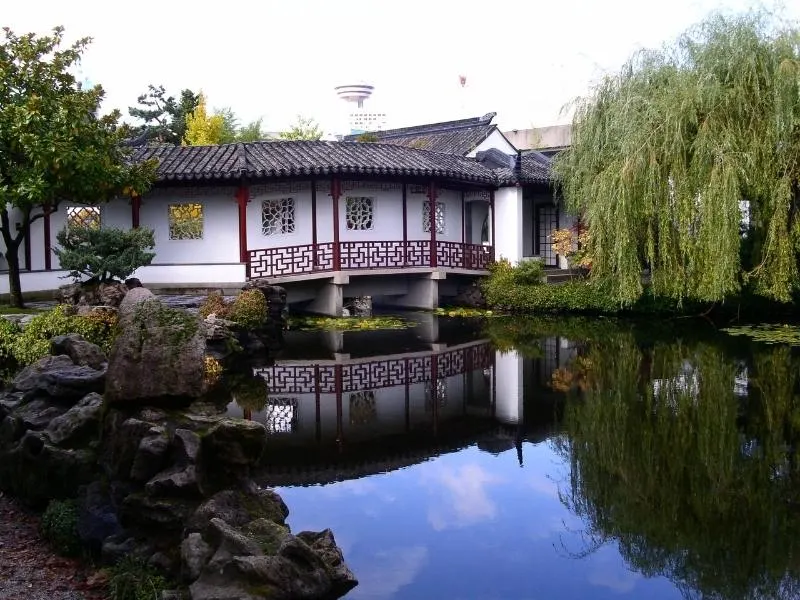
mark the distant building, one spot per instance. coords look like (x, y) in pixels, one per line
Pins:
(547, 140)
(359, 118)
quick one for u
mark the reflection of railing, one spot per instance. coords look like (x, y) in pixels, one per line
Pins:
(327, 256)
(367, 375)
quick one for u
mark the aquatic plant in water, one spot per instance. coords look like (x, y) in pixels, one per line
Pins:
(768, 333)
(348, 323)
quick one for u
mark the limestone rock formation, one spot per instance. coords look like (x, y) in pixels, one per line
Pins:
(81, 352)
(59, 377)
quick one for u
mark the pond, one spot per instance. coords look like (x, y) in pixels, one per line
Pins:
(561, 458)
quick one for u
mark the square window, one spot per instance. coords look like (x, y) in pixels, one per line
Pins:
(426, 217)
(186, 221)
(277, 216)
(83, 216)
(360, 213)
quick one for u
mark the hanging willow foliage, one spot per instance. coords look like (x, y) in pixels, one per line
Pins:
(665, 154)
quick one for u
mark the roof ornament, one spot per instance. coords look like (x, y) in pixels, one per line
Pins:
(487, 118)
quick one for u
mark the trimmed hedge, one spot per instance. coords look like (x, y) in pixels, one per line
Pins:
(572, 296)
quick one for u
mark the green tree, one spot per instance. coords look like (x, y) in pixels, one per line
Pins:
(104, 254)
(664, 152)
(230, 125)
(163, 118)
(203, 129)
(303, 129)
(252, 132)
(54, 146)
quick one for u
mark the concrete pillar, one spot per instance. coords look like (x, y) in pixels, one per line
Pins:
(508, 224)
(329, 300)
(509, 398)
(423, 292)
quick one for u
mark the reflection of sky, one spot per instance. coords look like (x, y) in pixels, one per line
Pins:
(467, 525)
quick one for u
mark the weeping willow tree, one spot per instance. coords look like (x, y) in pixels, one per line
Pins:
(670, 154)
(690, 480)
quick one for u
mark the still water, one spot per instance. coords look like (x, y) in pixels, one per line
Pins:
(542, 459)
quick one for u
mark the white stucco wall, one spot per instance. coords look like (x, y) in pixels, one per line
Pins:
(302, 234)
(509, 388)
(495, 140)
(508, 223)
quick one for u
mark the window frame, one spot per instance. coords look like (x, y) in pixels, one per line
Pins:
(373, 204)
(293, 200)
(202, 221)
(426, 222)
(78, 207)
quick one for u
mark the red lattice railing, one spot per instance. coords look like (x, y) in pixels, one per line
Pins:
(367, 255)
(370, 375)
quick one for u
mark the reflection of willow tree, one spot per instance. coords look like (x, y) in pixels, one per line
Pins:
(692, 482)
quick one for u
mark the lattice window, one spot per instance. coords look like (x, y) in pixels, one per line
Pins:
(440, 394)
(360, 212)
(281, 415)
(83, 216)
(426, 217)
(277, 216)
(186, 221)
(362, 408)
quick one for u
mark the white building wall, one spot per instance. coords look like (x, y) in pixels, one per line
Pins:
(387, 215)
(508, 223)
(495, 140)
(302, 234)
(509, 388)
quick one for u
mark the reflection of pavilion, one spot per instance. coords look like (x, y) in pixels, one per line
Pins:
(342, 417)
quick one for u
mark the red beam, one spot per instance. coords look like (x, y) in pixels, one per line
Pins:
(336, 193)
(432, 220)
(136, 205)
(47, 252)
(242, 198)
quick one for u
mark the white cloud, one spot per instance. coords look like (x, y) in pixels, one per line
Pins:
(459, 496)
(390, 570)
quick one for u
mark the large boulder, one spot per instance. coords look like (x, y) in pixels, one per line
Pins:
(80, 425)
(158, 357)
(79, 350)
(129, 303)
(60, 378)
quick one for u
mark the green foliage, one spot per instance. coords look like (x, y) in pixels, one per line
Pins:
(302, 129)
(133, 579)
(528, 272)
(34, 342)
(203, 129)
(104, 254)
(215, 304)
(249, 309)
(56, 144)
(8, 333)
(59, 526)
(464, 312)
(367, 137)
(348, 323)
(163, 117)
(768, 333)
(663, 152)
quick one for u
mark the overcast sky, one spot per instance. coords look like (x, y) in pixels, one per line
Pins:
(274, 59)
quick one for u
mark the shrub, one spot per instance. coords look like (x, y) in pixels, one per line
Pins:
(8, 333)
(59, 526)
(34, 341)
(133, 579)
(215, 304)
(249, 309)
(528, 272)
(104, 254)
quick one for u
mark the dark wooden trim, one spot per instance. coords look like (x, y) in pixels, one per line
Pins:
(27, 248)
(435, 391)
(405, 223)
(337, 378)
(432, 221)
(491, 214)
(317, 411)
(314, 221)
(242, 198)
(48, 259)
(336, 193)
(463, 219)
(136, 205)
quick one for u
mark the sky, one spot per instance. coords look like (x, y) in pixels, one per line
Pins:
(523, 59)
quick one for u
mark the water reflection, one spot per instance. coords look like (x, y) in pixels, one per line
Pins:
(567, 458)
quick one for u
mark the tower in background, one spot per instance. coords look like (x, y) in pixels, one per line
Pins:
(360, 119)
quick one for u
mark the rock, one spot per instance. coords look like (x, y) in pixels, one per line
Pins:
(269, 535)
(221, 341)
(229, 541)
(195, 553)
(68, 294)
(158, 357)
(324, 545)
(119, 546)
(97, 516)
(140, 510)
(177, 481)
(11, 431)
(37, 414)
(112, 293)
(58, 377)
(79, 350)
(132, 282)
(239, 508)
(9, 403)
(131, 299)
(79, 425)
(150, 455)
(235, 442)
(186, 447)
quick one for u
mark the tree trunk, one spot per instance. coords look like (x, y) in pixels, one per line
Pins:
(14, 284)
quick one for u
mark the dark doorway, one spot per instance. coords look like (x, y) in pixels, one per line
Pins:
(547, 219)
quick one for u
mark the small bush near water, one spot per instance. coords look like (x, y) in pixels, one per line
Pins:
(59, 526)
(248, 309)
(133, 579)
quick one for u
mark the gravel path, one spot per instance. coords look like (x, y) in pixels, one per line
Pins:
(30, 570)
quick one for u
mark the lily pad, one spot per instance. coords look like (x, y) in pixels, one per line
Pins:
(769, 333)
(348, 323)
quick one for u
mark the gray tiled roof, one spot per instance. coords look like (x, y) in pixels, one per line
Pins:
(271, 160)
(453, 137)
(286, 159)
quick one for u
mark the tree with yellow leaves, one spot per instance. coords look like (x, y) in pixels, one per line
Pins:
(203, 129)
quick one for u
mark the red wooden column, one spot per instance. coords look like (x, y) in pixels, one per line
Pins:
(491, 208)
(336, 193)
(405, 225)
(136, 206)
(242, 198)
(314, 258)
(432, 218)
(48, 264)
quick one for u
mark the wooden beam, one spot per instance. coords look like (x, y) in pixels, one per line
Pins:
(432, 221)
(48, 262)
(336, 193)
(136, 205)
(242, 198)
